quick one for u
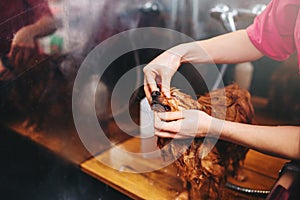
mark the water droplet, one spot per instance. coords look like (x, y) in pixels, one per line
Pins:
(121, 169)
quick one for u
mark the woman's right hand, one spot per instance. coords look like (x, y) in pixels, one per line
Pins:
(159, 72)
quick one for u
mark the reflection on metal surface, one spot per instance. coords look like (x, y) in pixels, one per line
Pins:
(228, 16)
(247, 190)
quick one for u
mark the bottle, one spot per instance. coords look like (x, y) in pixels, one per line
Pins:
(56, 44)
(148, 140)
(243, 74)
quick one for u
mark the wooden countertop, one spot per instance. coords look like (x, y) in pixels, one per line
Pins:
(120, 170)
(65, 142)
(261, 170)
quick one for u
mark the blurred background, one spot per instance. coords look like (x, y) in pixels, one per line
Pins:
(85, 24)
(40, 149)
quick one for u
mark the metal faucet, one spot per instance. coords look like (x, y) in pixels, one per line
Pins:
(228, 16)
(151, 7)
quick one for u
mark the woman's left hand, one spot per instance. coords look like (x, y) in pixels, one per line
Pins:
(182, 124)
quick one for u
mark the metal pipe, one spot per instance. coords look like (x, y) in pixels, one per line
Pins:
(227, 17)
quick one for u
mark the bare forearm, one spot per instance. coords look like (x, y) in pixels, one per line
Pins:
(282, 141)
(44, 26)
(233, 47)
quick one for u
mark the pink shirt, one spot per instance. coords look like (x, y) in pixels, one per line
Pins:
(276, 31)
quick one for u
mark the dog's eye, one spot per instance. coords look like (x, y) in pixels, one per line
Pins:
(167, 108)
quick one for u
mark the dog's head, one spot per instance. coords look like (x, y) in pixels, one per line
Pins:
(178, 101)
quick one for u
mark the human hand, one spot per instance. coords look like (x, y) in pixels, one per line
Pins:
(22, 48)
(158, 73)
(2, 67)
(182, 124)
(5, 73)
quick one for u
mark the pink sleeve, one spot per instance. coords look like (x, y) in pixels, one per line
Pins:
(272, 32)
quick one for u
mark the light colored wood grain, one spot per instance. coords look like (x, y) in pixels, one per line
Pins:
(164, 183)
(66, 142)
(120, 168)
(156, 185)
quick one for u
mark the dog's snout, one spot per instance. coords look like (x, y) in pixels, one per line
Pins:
(155, 94)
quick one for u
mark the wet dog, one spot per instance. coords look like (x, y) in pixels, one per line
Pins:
(204, 175)
(37, 94)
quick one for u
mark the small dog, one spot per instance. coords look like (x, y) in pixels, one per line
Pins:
(36, 94)
(204, 176)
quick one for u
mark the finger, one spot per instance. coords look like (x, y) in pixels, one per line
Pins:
(171, 126)
(170, 116)
(147, 92)
(165, 86)
(18, 59)
(150, 81)
(169, 135)
(28, 52)
(2, 67)
(13, 51)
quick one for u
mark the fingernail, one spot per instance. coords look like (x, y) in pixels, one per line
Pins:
(168, 94)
